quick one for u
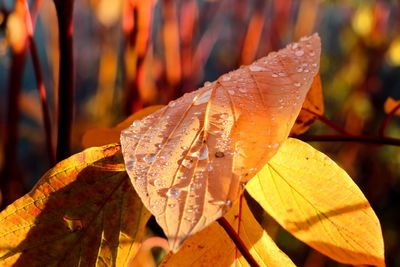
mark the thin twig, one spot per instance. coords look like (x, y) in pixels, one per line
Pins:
(30, 21)
(328, 122)
(64, 10)
(377, 140)
(387, 121)
(238, 242)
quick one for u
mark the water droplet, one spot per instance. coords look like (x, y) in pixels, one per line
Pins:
(274, 75)
(314, 64)
(159, 183)
(304, 64)
(299, 69)
(226, 78)
(282, 74)
(130, 164)
(73, 224)
(306, 70)
(210, 168)
(299, 53)
(203, 153)
(231, 92)
(242, 90)
(182, 177)
(297, 84)
(173, 193)
(172, 104)
(149, 158)
(184, 147)
(188, 163)
(256, 68)
(136, 123)
(203, 98)
(228, 203)
(275, 145)
(219, 154)
(224, 116)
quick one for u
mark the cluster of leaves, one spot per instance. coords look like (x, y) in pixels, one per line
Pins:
(86, 209)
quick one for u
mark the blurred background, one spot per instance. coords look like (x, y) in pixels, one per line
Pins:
(130, 54)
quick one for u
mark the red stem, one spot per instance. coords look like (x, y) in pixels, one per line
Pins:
(328, 122)
(238, 242)
(387, 121)
(64, 10)
(43, 100)
(356, 139)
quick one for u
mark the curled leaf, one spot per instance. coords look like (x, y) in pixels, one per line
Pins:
(84, 211)
(316, 201)
(212, 246)
(313, 106)
(186, 161)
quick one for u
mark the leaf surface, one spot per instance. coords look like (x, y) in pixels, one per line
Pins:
(83, 212)
(316, 201)
(192, 154)
(212, 246)
(312, 107)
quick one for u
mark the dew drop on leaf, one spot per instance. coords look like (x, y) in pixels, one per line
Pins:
(257, 68)
(188, 163)
(73, 224)
(219, 154)
(173, 193)
(203, 153)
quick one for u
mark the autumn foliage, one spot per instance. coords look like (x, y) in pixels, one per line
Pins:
(195, 177)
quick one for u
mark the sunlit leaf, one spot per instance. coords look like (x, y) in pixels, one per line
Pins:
(316, 201)
(193, 153)
(391, 104)
(103, 136)
(312, 106)
(84, 212)
(213, 247)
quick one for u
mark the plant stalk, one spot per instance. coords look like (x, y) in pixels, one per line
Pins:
(64, 9)
(238, 242)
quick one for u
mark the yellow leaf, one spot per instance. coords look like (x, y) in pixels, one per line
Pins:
(316, 201)
(312, 106)
(103, 136)
(391, 104)
(213, 247)
(84, 211)
(196, 151)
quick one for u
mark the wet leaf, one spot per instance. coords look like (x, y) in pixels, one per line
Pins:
(316, 201)
(193, 153)
(84, 211)
(213, 247)
(391, 104)
(312, 106)
(103, 136)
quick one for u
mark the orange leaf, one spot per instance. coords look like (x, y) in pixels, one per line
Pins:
(391, 104)
(316, 201)
(103, 136)
(213, 247)
(186, 161)
(84, 211)
(312, 107)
